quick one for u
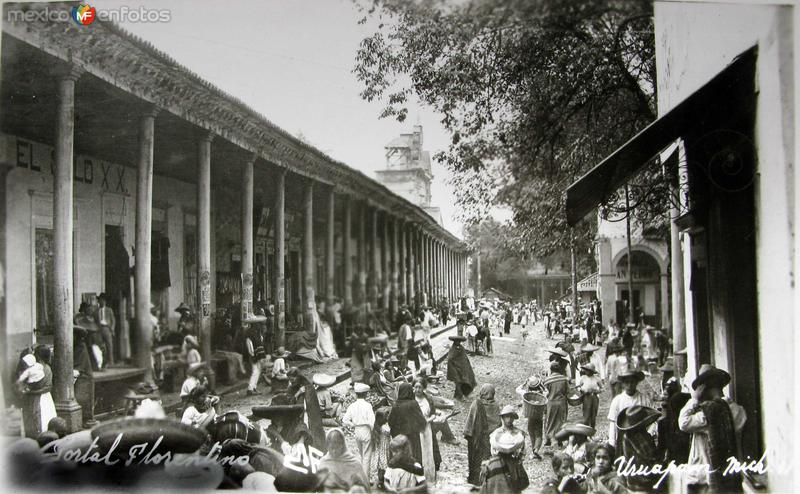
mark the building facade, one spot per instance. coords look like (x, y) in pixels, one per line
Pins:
(727, 130)
(650, 271)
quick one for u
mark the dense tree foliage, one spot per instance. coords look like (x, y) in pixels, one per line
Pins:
(533, 92)
(503, 267)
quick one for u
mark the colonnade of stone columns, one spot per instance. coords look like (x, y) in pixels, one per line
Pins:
(401, 263)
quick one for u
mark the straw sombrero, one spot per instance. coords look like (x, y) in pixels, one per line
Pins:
(558, 351)
(323, 380)
(574, 430)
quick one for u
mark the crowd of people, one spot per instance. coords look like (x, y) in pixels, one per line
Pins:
(383, 432)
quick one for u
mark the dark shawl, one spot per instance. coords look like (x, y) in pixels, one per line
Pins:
(459, 370)
(671, 439)
(406, 418)
(314, 413)
(722, 444)
(482, 419)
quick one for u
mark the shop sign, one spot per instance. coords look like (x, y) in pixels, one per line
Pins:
(41, 158)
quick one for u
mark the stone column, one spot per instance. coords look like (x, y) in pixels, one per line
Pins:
(387, 264)
(395, 267)
(437, 280)
(204, 243)
(412, 266)
(403, 274)
(279, 248)
(62, 293)
(362, 254)
(308, 255)
(376, 286)
(348, 252)
(426, 247)
(247, 236)
(330, 264)
(143, 237)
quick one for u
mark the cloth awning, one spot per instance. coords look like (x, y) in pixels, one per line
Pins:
(708, 107)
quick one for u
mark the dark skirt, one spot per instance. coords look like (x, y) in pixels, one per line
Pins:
(478, 450)
(556, 416)
(590, 405)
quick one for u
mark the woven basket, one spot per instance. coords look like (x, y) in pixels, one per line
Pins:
(532, 401)
(574, 397)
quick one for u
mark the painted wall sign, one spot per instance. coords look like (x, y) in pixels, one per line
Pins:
(38, 157)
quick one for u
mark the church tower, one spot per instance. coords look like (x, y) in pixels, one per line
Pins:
(408, 171)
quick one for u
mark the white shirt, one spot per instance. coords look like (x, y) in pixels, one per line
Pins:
(621, 402)
(189, 384)
(397, 479)
(193, 417)
(278, 367)
(359, 413)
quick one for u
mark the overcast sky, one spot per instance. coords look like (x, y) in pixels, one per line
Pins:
(292, 61)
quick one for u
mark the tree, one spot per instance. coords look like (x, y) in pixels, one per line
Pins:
(533, 93)
(503, 267)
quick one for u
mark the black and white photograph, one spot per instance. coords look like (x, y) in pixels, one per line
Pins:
(399, 246)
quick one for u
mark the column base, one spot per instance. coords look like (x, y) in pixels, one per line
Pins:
(72, 413)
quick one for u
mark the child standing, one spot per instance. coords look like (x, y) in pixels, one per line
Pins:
(535, 415)
(590, 385)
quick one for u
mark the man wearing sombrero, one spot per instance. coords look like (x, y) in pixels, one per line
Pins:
(714, 424)
(629, 397)
(636, 445)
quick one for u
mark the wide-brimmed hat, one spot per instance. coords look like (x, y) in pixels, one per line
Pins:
(457, 338)
(323, 380)
(273, 411)
(360, 388)
(190, 338)
(558, 351)
(636, 416)
(252, 319)
(631, 373)
(589, 348)
(509, 410)
(534, 382)
(574, 430)
(280, 353)
(710, 375)
(589, 368)
(183, 308)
